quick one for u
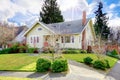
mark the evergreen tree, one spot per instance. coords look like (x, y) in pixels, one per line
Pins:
(101, 28)
(50, 12)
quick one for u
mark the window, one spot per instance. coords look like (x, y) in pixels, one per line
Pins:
(34, 39)
(67, 39)
(37, 39)
(31, 40)
(72, 39)
(62, 40)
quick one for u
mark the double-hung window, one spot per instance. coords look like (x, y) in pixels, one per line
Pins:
(34, 39)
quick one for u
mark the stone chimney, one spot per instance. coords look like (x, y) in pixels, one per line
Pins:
(84, 18)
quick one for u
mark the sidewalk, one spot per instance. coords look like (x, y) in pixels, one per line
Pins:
(78, 71)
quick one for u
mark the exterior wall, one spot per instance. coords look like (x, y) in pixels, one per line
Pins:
(39, 33)
(76, 44)
(89, 35)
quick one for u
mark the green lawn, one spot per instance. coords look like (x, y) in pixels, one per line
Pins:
(13, 78)
(16, 61)
(26, 62)
(80, 57)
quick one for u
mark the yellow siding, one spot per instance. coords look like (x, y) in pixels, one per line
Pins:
(89, 34)
(36, 32)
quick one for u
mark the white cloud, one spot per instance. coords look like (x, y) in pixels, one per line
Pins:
(72, 10)
(31, 6)
(92, 8)
(114, 22)
(67, 4)
(112, 6)
(9, 8)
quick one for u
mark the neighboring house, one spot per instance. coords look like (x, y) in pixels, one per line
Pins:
(72, 34)
(19, 34)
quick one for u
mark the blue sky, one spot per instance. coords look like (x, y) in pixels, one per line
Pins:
(26, 12)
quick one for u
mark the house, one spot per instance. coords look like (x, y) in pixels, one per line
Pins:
(72, 34)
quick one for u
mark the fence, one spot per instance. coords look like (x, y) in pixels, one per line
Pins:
(108, 48)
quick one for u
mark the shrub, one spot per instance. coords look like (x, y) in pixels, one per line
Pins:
(43, 65)
(83, 51)
(101, 64)
(36, 50)
(31, 50)
(107, 64)
(6, 51)
(88, 60)
(22, 49)
(113, 54)
(71, 51)
(59, 65)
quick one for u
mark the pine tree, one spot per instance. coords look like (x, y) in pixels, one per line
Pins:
(101, 28)
(50, 12)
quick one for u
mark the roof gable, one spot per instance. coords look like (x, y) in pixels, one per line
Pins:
(34, 25)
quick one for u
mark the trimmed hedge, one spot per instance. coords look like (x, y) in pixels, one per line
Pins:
(43, 65)
(73, 51)
(101, 64)
(59, 65)
(88, 60)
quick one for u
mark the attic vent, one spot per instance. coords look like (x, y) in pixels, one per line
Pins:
(39, 29)
(68, 24)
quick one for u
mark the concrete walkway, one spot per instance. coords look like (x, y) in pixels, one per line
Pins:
(78, 71)
(114, 74)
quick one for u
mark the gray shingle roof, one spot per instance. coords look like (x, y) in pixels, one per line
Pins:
(70, 27)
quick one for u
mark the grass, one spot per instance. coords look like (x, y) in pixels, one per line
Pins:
(26, 62)
(13, 78)
(16, 61)
(19, 61)
(80, 57)
(30, 67)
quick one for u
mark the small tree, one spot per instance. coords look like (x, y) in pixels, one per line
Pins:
(50, 12)
(7, 33)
